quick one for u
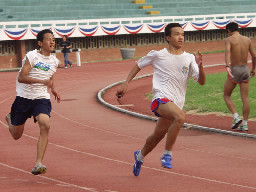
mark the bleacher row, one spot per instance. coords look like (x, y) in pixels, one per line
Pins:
(34, 10)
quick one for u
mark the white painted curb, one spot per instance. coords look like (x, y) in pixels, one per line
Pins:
(191, 126)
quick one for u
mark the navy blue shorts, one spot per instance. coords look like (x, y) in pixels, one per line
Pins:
(23, 108)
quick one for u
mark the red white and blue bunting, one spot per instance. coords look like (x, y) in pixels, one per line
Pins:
(243, 24)
(67, 32)
(15, 34)
(133, 29)
(111, 30)
(200, 25)
(118, 29)
(156, 28)
(184, 25)
(89, 31)
(220, 24)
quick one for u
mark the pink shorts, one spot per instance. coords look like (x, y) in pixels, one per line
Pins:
(155, 104)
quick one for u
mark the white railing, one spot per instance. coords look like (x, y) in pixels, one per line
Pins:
(20, 30)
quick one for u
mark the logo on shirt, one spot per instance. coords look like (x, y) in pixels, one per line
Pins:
(42, 66)
(185, 70)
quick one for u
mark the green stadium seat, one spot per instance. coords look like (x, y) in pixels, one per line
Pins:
(27, 10)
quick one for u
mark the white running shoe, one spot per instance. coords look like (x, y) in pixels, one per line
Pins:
(39, 169)
(242, 127)
(237, 121)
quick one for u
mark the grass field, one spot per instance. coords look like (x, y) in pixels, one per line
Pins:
(209, 98)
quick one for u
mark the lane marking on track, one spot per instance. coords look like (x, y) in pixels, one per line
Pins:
(91, 127)
(201, 151)
(24, 180)
(180, 174)
(125, 105)
(51, 179)
(5, 99)
(62, 185)
(127, 163)
(219, 154)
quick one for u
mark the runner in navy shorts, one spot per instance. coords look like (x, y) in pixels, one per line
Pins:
(34, 80)
(23, 108)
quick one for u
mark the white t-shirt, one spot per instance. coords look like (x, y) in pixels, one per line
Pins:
(171, 73)
(42, 67)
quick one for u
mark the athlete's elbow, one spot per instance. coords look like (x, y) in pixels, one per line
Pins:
(20, 79)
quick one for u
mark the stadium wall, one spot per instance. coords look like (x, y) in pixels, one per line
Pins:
(100, 41)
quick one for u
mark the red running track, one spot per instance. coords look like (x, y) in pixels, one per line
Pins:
(91, 147)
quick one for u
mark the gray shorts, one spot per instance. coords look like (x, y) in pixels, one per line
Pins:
(241, 74)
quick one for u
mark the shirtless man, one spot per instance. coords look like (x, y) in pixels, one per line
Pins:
(237, 48)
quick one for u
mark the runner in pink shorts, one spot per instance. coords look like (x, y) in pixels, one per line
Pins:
(172, 69)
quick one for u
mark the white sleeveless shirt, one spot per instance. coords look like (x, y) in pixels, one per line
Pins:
(42, 67)
(171, 73)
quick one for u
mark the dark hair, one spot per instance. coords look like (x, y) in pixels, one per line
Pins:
(232, 26)
(65, 36)
(40, 35)
(168, 28)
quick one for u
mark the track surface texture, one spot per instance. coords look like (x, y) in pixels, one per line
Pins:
(91, 146)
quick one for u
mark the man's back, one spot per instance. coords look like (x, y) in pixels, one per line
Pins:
(239, 48)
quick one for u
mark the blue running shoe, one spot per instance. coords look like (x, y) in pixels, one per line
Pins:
(137, 164)
(166, 161)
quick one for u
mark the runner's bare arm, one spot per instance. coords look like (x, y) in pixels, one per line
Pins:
(51, 85)
(252, 52)
(122, 90)
(199, 61)
(23, 75)
(227, 56)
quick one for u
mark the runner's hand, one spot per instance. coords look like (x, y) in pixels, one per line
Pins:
(199, 58)
(229, 72)
(252, 73)
(56, 95)
(121, 91)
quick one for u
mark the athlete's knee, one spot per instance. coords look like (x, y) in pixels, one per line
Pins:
(44, 127)
(16, 131)
(244, 98)
(16, 136)
(179, 117)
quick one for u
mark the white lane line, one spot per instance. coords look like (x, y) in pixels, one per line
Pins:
(6, 99)
(62, 185)
(91, 189)
(91, 127)
(21, 180)
(155, 169)
(125, 105)
(42, 183)
(3, 177)
(201, 151)
(151, 168)
(127, 163)
(218, 154)
(110, 191)
(50, 179)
